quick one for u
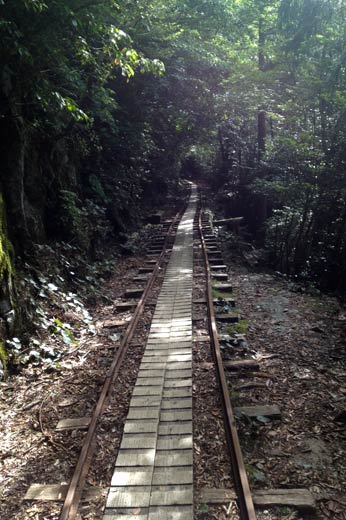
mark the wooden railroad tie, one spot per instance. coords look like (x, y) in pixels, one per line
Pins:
(219, 276)
(134, 293)
(220, 267)
(223, 287)
(77, 423)
(58, 492)
(233, 220)
(241, 364)
(264, 410)
(216, 301)
(110, 324)
(299, 498)
(227, 318)
(214, 261)
(125, 306)
(153, 251)
(201, 339)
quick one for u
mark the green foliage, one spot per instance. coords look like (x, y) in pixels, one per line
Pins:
(64, 329)
(238, 328)
(220, 294)
(97, 189)
(73, 218)
(255, 475)
(109, 102)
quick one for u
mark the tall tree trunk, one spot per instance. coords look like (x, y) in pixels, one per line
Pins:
(262, 210)
(261, 111)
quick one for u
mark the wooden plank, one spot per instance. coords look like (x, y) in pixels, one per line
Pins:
(219, 276)
(77, 423)
(218, 267)
(216, 496)
(57, 492)
(140, 278)
(298, 498)
(201, 339)
(266, 410)
(241, 364)
(216, 301)
(108, 324)
(223, 287)
(71, 400)
(49, 492)
(125, 306)
(133, 293)
(227, 318)
(228, 220)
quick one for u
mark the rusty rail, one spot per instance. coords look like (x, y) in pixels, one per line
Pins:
(76, 485)
(246, 505)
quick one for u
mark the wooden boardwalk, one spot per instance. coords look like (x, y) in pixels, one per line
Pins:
(153, 475)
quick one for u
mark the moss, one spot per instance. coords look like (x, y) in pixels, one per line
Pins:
(6, 270)
(235, 398)
(73, 219)
(3, 354)
(6, 248)
(238, 328)
(219, 294)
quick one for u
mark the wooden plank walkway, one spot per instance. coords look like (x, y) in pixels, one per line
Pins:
(153, 476)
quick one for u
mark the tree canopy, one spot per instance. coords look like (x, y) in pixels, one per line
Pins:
(105, 103)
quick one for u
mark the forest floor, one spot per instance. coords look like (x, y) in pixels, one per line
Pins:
(298, 339)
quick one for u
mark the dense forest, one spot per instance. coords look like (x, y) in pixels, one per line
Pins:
(106, 104)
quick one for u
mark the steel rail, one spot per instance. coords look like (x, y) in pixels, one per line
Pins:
(76, 485)
(246, 506)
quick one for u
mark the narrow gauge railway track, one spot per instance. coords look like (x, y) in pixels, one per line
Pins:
(156, 256)
(176, 494)
(245, 502)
